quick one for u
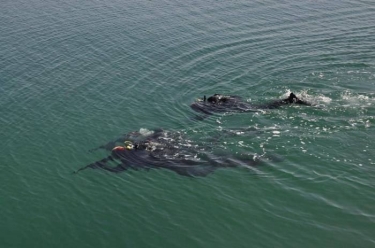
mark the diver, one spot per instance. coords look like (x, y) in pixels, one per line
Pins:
(225, 103)
(168, 150)
(154, 150)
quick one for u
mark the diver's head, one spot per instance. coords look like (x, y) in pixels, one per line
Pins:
(118, 149)
(128, 145)
(217, 98)
(213, 99)
(294, 99)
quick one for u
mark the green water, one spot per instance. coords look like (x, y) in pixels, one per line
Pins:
(77, 74)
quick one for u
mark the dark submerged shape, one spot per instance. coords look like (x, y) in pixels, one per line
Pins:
(167, 150)
(222, 103)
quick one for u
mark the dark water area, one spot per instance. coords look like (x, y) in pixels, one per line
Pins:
(76, 74)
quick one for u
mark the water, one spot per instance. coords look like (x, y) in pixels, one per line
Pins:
(76, 74)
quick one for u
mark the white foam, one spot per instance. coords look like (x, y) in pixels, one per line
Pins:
(355, 98)
(304, 95)
(145, 131)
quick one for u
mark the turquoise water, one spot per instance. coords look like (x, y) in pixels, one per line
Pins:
(77, 74)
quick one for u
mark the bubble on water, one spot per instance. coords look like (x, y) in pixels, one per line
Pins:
(145, 131)
(367, 123)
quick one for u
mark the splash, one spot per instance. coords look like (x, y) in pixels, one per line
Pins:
(356, 99)
(145, 131)
(315, 99)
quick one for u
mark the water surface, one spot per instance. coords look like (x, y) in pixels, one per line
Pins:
(76, 74)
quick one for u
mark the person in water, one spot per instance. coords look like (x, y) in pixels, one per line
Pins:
(223, 103)
(166, 150)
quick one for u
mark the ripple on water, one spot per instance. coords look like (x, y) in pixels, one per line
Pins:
(75, 76)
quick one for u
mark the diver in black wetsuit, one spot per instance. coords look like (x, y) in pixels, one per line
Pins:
(167, 150)
(137, 158)
(155, 150)
(223, 103)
